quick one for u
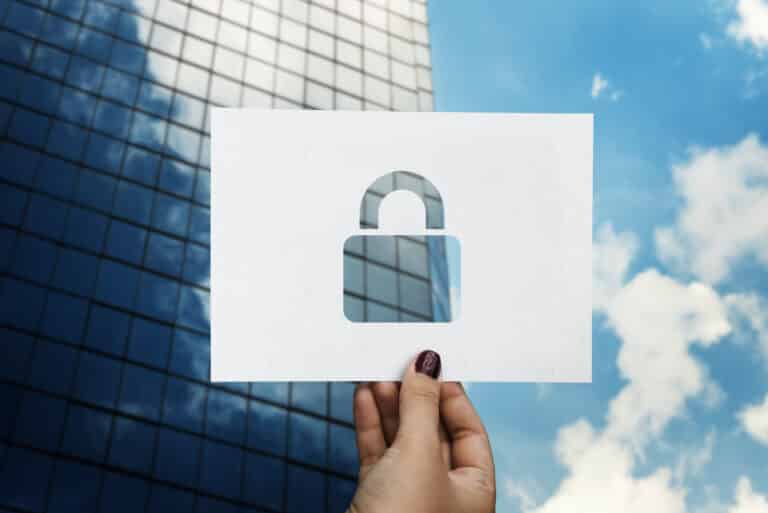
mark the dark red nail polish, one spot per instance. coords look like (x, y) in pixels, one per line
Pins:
(428, 363)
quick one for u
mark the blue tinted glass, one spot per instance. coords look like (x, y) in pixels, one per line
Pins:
(177, 457)
(220, 469)
(164, 254)
(194, 309)
(353, 275)
(340, 493)
(310, 396)
(5, 109)
(205, 152)
(34, 259)
(190, 355)
(75, 487)
(111, 118)
(184, 404)
(76, 271)
(46, 216)
(197, 265)
(154, 98)
(12, 202)
(40, 420)
(101, 15)
(158, 297)
(125, 242)
(76, 106)
(64, 317)
(378, 313)
(341, 401)
(104, 153)
(142, 392)
(19, 164)
(24, 479)
(86, 433)
(133, 202)
(148, 131)
(305, 490)
(120, 86)
(97, 379)
(57, 177)
(183, 143)
(29, 128)
(117, 284)
(22, 304)
(7, 243)
(39, 93)
(416, 295)
(264, 481)
(10, 76)
(15, 48)
(66, 140)
(16, 350)
(94, 44)
(128, 57)
(141, 165)
(25, 19)
(70, 8)
(107, 330)
(150, 343)
(225, 416)
(200, 225)
(170, 214)
(85, 229)
(132, 445)
(96, 190)
(59, 31)
(10, 396)
(203, 187)
(123, 494)
(308, 439)
(266, 427)
(206, 505)
(177, 178)
(53, 366)
(343, 450)
(164, 499)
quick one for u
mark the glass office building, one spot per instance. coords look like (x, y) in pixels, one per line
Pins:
(104, 248)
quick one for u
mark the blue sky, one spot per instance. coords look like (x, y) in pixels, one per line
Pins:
(677, 414)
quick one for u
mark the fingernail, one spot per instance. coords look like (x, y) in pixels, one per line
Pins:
(428, 362)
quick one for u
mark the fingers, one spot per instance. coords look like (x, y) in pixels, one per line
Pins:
(419, 401)
(470, 446)
(387, 397)
(370, 435)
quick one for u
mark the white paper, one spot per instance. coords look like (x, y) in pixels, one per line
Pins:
(286, 191)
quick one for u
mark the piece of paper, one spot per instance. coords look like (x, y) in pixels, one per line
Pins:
(286, 191)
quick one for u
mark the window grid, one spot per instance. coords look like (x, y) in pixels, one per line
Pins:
(166, 119)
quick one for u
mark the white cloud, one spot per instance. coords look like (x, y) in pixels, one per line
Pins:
(599, 84)
(611, 255)
(754, 420)
(751, 24)
(725, 195)
(749, 314)
(522, 493)
(747, 501)
(693, 460)
(658, 320)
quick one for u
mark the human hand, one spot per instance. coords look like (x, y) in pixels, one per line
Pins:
(422, 446)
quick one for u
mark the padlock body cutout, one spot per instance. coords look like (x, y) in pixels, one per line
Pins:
(402, 278)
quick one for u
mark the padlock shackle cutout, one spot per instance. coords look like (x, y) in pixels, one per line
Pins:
(433, 221)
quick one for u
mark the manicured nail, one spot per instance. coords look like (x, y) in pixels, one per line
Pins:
(428, 363)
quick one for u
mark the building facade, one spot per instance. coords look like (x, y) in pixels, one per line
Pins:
(104, 248)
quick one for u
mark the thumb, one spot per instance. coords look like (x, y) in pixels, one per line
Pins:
(419, 401)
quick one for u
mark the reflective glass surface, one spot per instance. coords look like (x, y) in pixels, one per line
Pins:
(105, 248)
